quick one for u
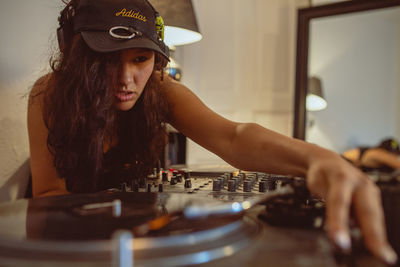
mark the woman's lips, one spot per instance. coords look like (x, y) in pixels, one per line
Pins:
(125, 95)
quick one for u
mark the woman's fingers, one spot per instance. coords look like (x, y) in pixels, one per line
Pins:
(344, 188)
(369, 213)
(338, 203)
(361, 193)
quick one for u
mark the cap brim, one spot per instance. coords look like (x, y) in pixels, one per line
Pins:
(103, 42)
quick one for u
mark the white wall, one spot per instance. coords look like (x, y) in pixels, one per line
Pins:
(26, 28)
(357, 59)
(244, 67)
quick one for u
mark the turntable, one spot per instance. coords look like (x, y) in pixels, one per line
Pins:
(256, 220)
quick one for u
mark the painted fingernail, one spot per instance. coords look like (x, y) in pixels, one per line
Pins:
(342, 240)
(388, 255)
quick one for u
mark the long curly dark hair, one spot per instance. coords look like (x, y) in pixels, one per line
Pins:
(80, 116)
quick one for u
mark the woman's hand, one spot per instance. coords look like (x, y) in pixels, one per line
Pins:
(344, 187)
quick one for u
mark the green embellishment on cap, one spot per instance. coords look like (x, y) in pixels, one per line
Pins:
(160, 27)
(394, 144)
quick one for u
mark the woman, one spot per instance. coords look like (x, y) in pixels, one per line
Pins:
(103, 107)
(384, 157)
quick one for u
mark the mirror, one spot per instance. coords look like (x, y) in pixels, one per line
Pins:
(353, 48)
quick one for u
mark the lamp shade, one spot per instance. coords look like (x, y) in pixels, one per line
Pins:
(315, 98)
(180, 21)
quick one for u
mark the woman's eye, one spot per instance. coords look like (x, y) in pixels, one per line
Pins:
(140, 59)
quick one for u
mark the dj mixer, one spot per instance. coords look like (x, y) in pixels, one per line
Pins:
(184, 218)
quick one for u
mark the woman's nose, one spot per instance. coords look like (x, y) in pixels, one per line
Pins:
(127, 75)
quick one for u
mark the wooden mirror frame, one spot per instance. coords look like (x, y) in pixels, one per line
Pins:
(303, 23)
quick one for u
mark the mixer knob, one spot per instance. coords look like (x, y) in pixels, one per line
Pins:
(278, 184)
(261, 176)
(188, 183)
(134, 186)
(174, 180)
(271, 183)
(222, 182)
(179, 178)
(124, 187)
(247, 186)
(216, 185)
(231, 185)
(165, 176)
(252, 178)
(236, 182)
(186, 175)
(142, 182)
(262, 186)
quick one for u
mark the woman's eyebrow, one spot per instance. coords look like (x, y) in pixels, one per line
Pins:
(142, 50)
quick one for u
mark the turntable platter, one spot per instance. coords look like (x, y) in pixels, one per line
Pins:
(80, 230)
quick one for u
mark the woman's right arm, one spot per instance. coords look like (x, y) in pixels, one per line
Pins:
(45, 181)
(378, 157)
(373, 158)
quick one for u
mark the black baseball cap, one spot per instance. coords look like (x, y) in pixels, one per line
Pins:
(112, 25)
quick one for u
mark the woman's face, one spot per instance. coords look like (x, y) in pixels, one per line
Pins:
(136, 67)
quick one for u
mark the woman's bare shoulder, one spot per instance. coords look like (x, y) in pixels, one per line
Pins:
(175, 91)
(40, 86)
(352, 154)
